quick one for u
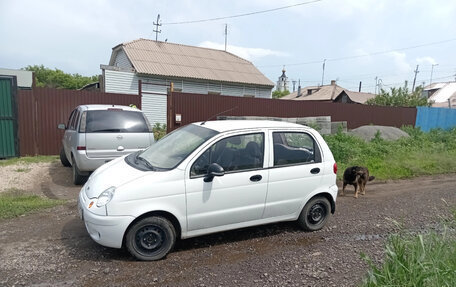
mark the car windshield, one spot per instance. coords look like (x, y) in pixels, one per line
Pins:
(169, 151)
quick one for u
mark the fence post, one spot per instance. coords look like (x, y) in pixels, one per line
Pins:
(170, 120)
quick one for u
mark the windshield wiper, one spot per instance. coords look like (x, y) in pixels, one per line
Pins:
(145, 161)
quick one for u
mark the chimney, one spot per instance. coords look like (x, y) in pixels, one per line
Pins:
(333, 82)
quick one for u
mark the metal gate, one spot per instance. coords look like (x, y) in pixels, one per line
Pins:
(8, 117)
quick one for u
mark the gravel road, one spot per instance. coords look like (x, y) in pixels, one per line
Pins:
(52, 247)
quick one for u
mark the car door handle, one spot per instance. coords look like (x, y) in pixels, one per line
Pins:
(256, 177)
(315, 170)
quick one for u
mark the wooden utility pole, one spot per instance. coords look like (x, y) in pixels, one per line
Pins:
(226, 35)
(414, 79)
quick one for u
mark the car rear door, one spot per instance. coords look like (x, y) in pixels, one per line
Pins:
(296, 169)
(114, 132)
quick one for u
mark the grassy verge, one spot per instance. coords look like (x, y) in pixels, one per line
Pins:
(423, 260)
(16, 202)
(420, 154)
(28, 159)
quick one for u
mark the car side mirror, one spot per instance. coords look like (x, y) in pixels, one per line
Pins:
(213, 170)
(61, 127)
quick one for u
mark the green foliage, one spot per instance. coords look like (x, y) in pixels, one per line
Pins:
(49, 78)
(28, 159)
(399, 97)
(15, 202)
(422, 260)
(420, 154)
(159, 131)
(277, 94)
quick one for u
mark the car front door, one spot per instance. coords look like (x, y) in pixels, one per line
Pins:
(296, 172)
(234, 198)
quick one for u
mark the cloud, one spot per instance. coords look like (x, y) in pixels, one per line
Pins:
(243, 52)
(400, 62)
(426, 60)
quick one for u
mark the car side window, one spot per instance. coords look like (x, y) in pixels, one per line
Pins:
(236, 153)
(294, 148)
(74, 121)
(70, 119)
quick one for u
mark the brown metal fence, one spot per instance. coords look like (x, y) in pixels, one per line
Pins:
(195, 107)
(42, 109)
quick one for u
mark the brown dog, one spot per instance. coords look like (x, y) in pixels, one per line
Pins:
(357, 176)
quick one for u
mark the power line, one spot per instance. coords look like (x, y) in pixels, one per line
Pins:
(240, 15)
(365, 55)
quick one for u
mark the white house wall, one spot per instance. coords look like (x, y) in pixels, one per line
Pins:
(127, 83)
(154, 105)
(122, 61)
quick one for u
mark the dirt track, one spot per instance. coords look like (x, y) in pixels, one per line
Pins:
(52, 247)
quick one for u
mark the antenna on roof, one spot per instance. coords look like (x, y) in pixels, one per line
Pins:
(157, 25)
(229, 110)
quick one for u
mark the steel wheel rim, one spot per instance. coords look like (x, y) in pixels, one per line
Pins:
(150, 239)
(317, 213)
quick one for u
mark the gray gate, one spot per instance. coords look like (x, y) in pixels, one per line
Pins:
(9, 146)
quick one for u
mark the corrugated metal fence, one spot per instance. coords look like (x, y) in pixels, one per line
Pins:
(432, 118)
(195, 107)
(42, 109)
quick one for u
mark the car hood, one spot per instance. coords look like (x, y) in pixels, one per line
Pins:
(112, 174)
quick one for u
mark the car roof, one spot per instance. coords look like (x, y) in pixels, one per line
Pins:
(106, 107)
(229, 125)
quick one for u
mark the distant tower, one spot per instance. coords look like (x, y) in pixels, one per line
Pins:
(282, 83)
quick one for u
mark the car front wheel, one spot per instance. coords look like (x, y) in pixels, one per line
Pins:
(151, 238)
(315, 214)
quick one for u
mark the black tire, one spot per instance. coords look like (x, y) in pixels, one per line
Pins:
(63, 158)
(78, 178)
(315, 214)
(151, 238)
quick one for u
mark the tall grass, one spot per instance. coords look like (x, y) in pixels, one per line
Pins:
(420, 154)
(423, 260)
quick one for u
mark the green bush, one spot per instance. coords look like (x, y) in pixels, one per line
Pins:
(420, 154)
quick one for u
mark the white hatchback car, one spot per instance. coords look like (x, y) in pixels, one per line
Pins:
(208, 177)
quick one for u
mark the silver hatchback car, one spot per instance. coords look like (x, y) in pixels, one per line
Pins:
(97, 134)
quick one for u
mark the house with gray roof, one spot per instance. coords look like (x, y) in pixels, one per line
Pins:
(190, 69)
(329, 93)
(441, 95)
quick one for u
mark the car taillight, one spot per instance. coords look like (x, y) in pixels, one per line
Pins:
(81, 148)
(335, 168)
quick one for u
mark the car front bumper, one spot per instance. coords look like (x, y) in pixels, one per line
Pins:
(104, 229)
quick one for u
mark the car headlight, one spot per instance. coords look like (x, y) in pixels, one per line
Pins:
(105, 196)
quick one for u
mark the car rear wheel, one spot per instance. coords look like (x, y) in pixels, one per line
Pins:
(63, 158)
(151, 238)
(315, 214)
(78, 178)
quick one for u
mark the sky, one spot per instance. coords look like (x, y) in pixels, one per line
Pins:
(361, 40)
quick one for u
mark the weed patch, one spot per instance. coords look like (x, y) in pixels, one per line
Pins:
(15, 202)
(420, 154)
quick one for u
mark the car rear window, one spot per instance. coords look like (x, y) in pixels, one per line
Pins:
(115, 121)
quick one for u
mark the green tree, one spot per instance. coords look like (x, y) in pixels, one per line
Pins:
(49, 78)
(400, 97)
(277, 94)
